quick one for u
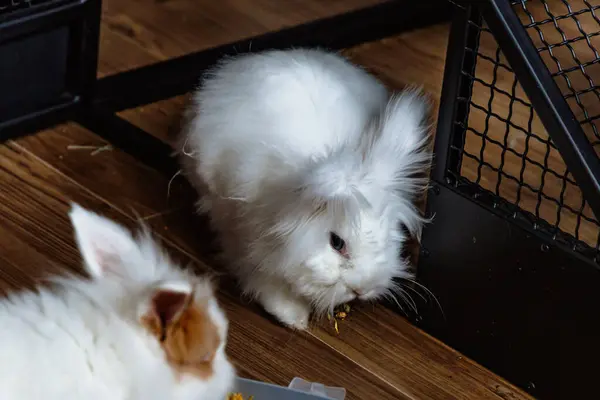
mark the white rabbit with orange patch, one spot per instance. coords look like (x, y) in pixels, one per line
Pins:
(140, 328)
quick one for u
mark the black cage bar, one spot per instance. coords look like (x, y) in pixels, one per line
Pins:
(517, 168)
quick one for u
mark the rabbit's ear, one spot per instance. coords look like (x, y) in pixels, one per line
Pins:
(104, 245)
(403, 128)
(184, 327)
(399, 150)
(168, 303)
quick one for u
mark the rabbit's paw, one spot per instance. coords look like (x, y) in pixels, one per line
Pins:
(287, 308)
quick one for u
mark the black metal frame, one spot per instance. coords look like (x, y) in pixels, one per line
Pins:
(82, 19)
(505, 267)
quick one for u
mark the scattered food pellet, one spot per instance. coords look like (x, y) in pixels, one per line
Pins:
(238, 396)
(340, 313)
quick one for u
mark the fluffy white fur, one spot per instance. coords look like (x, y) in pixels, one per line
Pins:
(83, 340)
(288, 146)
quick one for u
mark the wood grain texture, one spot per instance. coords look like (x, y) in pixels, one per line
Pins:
(143, 31)
(377, 351)
(40, 199)
(422, 51)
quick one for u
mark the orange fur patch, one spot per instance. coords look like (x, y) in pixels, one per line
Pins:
(187, 334)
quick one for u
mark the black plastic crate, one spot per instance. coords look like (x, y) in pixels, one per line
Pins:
(48, 57)
(513, 251)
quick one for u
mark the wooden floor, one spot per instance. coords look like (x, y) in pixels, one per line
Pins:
(377, 355)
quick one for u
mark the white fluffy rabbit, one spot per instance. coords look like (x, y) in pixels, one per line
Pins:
(140, 328)
(308, 169)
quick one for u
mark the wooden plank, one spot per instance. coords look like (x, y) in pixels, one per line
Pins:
(409, 359)
(411, 58)
(37, 197)
(129, 187)
(379, 341)
(162, 119)
(135, 32)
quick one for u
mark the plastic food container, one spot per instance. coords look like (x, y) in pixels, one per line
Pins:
(298, 389)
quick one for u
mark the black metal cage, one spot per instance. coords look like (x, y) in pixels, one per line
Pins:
(517, 168)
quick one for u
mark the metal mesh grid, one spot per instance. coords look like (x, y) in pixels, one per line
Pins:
(8, 6)
(506, 149)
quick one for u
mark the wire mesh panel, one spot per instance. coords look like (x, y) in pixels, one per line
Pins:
(506, 154)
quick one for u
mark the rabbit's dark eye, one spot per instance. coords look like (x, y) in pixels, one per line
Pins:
(337, 243)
